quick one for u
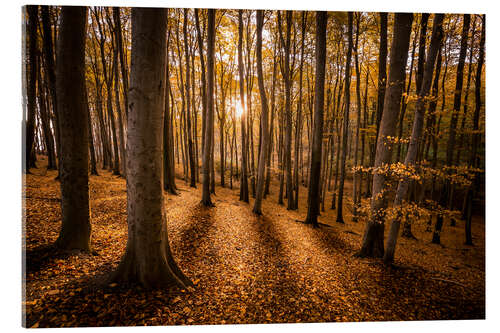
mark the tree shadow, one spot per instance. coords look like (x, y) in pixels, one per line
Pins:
(275, 282)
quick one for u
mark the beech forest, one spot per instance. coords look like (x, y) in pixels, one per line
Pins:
(224, 166)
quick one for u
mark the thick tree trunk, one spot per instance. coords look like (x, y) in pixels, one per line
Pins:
(148, 259)
(70, 84)
(313, 198)
(418, 122)
(257, 208)
(373, 239)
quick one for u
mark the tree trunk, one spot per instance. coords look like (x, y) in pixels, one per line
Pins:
(257, 209)
(70, 84)
(168, 166)
(48, 52)
(32, 70)
(418, 121)
(373, 239)
(347, 86)
(93, 162)
(148, 259)
(476, 136)
(244, 175)
(313, 198)
(209, 117)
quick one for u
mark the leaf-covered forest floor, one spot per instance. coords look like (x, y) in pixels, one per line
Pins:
(246, 269)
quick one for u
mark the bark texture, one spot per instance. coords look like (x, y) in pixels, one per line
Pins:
(313, 198)
(148, 259)
(71, 106)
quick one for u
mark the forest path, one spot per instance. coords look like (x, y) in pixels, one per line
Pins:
(246, 268)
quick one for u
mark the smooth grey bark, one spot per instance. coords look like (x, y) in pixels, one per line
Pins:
(373, 238)
(415, 139)
(313, 197)
(75, 230)
(209, 117)
(257, 208)
(148, 260)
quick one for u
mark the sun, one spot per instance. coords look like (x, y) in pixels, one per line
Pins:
(239, 110)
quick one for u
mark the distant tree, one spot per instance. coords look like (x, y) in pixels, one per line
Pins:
(71, 105)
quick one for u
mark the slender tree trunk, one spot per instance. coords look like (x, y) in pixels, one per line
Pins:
(244, 176)
(209, 119)
(456, 106)
(356, 174)
(32, 70)
(93, 162)
(121, 130)
(345, 131)
(257, 209)
(168, 165)
(48, 51)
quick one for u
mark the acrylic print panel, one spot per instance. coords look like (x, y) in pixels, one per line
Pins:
(221, 166)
